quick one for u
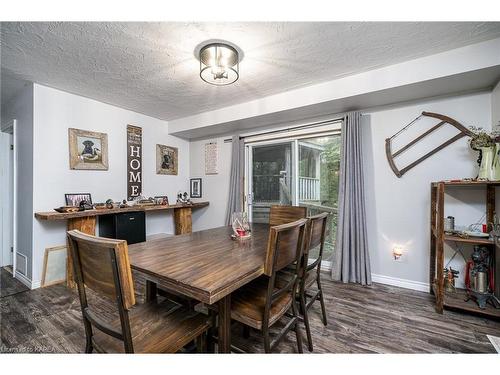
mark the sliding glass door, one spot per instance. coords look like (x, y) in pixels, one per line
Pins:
(271, 178)
(301, 171)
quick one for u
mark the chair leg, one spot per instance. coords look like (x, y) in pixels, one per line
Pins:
(88, 336)
(322, 302)
(305, 314)
(201, 343)
(297, 328)
(267, 340)
(88, 346)
(246, 331)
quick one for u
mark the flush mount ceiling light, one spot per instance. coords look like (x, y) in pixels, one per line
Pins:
(219, 64)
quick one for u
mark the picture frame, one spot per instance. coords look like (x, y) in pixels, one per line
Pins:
(88, 150)
(74, 199)
(167, 160)
(161, 200)
(54, 266)
(195, 188)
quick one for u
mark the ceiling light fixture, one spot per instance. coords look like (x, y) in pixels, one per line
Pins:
(219, 64)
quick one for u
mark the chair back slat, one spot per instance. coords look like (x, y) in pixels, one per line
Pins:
(284, 245)
(286, 214)
(316, 234)
(97, 261)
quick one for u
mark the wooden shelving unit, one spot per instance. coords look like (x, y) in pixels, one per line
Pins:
(457, 301)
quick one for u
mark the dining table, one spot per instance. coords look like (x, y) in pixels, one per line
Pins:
(206, 266)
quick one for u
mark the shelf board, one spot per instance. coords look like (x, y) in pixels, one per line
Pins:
(467, 183)
(471, 240)
(457, 301)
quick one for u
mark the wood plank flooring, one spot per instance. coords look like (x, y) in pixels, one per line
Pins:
(9, 285)
(376, 319)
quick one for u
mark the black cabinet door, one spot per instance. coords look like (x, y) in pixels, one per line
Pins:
(129, 226)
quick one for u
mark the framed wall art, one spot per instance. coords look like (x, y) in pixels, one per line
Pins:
(88, 150)
(195, 188)
(167, 160)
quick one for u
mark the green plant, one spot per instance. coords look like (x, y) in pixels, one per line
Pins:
(482, 139)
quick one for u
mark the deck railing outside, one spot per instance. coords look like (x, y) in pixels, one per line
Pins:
(309, 189)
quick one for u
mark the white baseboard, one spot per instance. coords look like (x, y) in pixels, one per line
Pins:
(26, 281)
(402, 283)
(23, 279)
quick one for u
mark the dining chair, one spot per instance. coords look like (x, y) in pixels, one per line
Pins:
(280, 214)
(261, 303)
(310, 271)
(102, 265)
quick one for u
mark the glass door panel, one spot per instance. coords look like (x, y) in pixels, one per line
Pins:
(318, 181)
(271, 179)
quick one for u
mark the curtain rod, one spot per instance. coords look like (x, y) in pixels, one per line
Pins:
(310, 125)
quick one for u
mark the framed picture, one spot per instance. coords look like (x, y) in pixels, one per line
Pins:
(74, 199)
(88, 150)
(195, 191)
(167, 160)
(54, 265)
(161, 200)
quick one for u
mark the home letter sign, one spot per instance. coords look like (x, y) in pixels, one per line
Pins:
(134, 162)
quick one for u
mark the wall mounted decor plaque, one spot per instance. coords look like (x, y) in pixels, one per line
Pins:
(167, 160)
(87, 150)
(134, 162)
(211, 156)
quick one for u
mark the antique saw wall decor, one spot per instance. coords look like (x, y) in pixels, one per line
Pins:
(391, 155)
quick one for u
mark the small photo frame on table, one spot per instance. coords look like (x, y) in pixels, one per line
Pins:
(161, 200)
(195, 188)
(74, 199)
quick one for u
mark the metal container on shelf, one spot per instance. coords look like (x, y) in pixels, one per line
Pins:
(449, 224)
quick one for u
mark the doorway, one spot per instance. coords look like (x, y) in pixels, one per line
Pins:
(8, 196)
(301, 170)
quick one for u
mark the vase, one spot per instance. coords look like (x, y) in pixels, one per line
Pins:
(496, 163)
(486, 170)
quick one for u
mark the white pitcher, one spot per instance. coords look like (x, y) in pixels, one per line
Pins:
(496, 163)
(486, 170)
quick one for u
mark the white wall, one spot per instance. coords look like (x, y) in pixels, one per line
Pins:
(21, 109)
(6, 203)
(215, 188)
(398, 208)
(495, 106)
(56, 111)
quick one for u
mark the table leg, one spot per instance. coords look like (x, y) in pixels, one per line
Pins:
(151, 291)
(85, 225)
(183, 220)
(225, 324)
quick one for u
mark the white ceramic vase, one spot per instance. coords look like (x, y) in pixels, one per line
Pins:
(486, 170)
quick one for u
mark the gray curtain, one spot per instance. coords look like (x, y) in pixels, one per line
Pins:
(235, 203)
(351, 261)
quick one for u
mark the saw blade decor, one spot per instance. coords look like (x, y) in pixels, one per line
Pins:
(391, 155)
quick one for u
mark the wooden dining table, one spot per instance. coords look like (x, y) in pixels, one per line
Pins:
(206, 266)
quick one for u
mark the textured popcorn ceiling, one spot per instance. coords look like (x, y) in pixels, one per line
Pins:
(151, 68)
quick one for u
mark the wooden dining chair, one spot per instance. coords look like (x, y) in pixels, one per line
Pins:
(310, 271)
(285, 214)
(102, 265)
(261, 303)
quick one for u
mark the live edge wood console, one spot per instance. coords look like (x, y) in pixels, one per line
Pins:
(457, 300)
(85, 221)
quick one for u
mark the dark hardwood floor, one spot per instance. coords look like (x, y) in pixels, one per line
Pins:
(9, 285)
(376, 319)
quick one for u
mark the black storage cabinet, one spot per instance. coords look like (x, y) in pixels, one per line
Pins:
(129, 226)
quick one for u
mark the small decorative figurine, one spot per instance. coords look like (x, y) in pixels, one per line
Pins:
(183, 198)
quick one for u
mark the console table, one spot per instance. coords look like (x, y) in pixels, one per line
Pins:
(85, 221)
